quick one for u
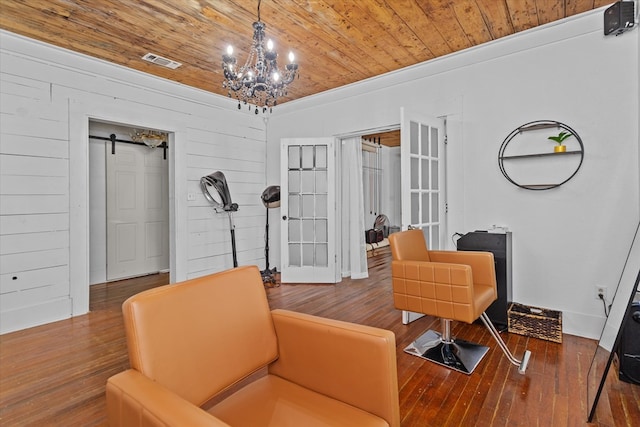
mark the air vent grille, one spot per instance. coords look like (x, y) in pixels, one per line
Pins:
(162, 61)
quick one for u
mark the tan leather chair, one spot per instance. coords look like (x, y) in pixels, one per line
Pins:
(191, 342)
(450, 285)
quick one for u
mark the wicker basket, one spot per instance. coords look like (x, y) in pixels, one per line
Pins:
(535, 322)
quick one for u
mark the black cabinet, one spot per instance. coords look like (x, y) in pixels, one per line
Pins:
(500, 245)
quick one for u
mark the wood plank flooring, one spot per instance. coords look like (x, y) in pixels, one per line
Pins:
(54, 375)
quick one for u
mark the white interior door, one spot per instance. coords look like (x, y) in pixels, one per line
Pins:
(137, 211)
(422, 180)
(423, 176)
(308, 210)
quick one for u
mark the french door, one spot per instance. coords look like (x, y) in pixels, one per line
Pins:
(422, 180)
(308, 208)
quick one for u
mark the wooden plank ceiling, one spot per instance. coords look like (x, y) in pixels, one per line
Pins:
(390, 138)
(336, 42)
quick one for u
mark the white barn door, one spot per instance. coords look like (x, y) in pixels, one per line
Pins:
(137, 212)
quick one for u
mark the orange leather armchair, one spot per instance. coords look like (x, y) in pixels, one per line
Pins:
(447, 284)
(193, 343)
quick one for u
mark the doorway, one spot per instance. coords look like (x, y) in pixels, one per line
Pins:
(381, 176)
(407, 180)
(128, 205)
(368, 179)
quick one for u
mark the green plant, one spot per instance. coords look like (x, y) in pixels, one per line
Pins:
(560, 137)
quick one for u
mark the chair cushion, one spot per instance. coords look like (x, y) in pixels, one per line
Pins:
(273, 401)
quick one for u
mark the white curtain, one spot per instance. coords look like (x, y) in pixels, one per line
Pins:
(354, 254)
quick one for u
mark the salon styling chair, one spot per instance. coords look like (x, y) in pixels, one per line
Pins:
(447, 284)
(210, 352)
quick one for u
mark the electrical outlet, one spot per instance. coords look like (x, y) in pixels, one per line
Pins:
(191, 197)
(601, 290)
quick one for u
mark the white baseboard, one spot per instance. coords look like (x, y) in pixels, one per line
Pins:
(35, 315)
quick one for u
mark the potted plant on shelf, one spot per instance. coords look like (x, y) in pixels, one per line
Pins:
(560, 148)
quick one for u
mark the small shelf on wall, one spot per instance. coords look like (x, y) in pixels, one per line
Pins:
(526, 156)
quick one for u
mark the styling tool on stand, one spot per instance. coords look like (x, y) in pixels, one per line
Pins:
(221, 203)
(271, 199)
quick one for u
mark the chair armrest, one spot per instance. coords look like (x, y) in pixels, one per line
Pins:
(352, 363)
(482, 264)
(134, 400)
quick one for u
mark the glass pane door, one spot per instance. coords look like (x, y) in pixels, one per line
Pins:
(422, 180)
(308, 207)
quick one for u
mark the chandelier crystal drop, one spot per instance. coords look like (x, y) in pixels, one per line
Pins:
(259, 81)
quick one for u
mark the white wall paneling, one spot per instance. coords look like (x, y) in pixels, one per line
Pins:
(34, 204)
(49, 96)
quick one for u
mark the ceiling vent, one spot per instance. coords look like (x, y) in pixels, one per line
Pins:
(159, 60)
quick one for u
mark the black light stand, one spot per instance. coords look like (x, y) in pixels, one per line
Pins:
(271, 199)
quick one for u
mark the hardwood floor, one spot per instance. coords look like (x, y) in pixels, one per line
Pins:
(54, 375)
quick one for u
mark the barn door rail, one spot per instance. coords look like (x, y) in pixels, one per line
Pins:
(113, 140)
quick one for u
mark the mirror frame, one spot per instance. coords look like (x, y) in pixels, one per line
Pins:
(620, 305)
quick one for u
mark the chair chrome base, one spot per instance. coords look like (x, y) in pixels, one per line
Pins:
(521, 364)
(457, 354)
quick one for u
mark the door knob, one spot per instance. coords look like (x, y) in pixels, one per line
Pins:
(284, 217)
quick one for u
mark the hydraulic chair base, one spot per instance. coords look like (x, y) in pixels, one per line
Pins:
(460, 355)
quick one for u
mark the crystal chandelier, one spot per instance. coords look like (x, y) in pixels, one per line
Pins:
(259, 81)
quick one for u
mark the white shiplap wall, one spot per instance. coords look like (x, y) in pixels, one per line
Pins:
(242, 159)
(34, 202)
(48, 95)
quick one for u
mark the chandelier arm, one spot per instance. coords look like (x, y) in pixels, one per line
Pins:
(234, 85)
(288, 78)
